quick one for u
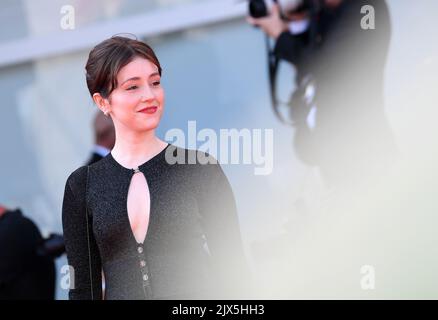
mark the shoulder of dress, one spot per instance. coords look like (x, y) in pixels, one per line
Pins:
(77, 178)
(206, 169)
(191, 156)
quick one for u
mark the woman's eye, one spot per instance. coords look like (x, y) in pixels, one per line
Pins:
(132, 88)
(156, 83)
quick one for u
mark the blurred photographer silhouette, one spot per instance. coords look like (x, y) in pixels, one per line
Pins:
(339, 49)
(27, 267)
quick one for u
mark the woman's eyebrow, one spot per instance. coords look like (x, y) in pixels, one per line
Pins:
(154, 74)
(133, 78)
(138, 78)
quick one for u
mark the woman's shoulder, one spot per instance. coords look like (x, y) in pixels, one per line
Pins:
(79, 176)
(199, 167)
(184, 156)
(77, 179)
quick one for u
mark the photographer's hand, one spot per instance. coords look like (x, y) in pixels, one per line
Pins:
(273, 25)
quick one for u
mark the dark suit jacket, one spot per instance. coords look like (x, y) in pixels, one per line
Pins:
(23, 273)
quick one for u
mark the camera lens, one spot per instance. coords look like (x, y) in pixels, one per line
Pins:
(258, 8)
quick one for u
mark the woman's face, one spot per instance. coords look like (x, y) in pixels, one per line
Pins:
(138, 101)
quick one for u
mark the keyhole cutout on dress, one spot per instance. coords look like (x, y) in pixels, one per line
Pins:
(139, 206)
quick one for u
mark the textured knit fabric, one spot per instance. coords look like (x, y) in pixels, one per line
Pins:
(193, 245)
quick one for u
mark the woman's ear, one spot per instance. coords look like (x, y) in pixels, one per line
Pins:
(101, 103)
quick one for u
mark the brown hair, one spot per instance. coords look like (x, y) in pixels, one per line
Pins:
(108, 57)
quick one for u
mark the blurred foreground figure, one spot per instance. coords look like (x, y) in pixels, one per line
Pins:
(26, 272)
(339, 49)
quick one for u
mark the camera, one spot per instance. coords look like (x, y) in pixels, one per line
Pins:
(261, 8)
(52, 247)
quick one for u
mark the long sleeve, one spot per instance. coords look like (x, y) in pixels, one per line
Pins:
(82, 251)
(221, 226)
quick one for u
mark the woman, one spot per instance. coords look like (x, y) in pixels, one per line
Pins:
(155, 227)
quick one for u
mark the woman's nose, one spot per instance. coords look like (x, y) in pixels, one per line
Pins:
(147, 94)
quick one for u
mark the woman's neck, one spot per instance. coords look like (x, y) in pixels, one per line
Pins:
(133, 149)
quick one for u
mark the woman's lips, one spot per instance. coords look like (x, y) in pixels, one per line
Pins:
(149, 110)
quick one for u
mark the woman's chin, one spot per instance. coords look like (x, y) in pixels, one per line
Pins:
(151, 125)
